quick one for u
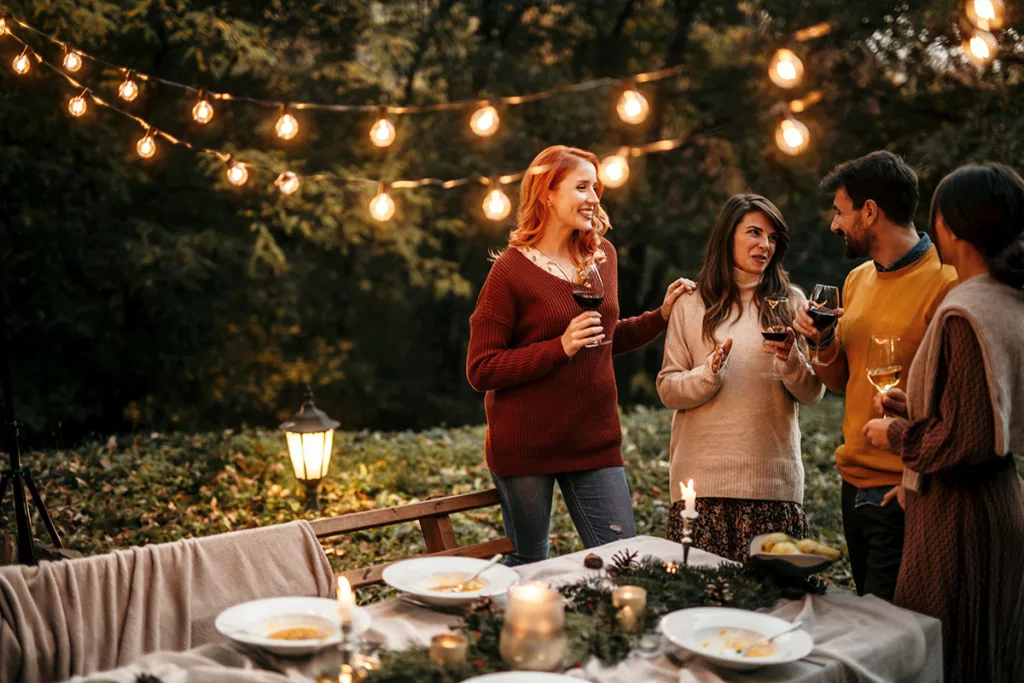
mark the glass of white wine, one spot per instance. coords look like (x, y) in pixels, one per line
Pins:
(885, 363)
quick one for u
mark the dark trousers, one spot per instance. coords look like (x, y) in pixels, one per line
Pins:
(874, 537)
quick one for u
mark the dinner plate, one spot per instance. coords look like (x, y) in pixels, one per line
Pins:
(711, 632)
(415, 577)
(521, 677)
(795, 565)
(251, 623)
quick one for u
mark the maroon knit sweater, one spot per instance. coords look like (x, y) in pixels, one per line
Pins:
(546, 412)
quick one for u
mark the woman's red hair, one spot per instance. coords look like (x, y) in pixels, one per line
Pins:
(545, 173)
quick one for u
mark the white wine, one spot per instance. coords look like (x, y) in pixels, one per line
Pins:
(885, 378)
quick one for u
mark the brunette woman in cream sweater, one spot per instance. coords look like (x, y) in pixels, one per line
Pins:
(735, 432)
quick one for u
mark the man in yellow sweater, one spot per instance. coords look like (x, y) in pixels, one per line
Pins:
(894, 294)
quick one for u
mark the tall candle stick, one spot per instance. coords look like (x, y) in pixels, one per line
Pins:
(346, 601)
(689, 499)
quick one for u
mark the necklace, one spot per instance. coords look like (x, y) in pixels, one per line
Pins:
(555, 264)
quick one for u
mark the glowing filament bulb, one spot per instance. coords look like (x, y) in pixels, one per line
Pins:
(382, 134)
(785, 69)
(77, 105)
(287, 182)
(286, 127)
(985, 9)
(4, 30)
(792, 137)
(146, 146)
(987, 15)
(614, 170)
(203, 111)
(382, 207)
(72, 61)
(632, 107)
(981, 48)
(484, 121)
(128, 90)
(497, 205)
(237, 174)
(22, 63)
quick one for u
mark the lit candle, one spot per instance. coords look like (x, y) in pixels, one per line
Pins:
(346, 600)
(448, 649)
(533, 637)
(689, 499)
(630, 601)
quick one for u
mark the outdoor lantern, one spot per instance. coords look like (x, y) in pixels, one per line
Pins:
(310, 435)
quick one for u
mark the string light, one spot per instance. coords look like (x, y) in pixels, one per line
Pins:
(614, 171)
(203, 111)
(792, 136)
(785, 69)
(382, 134)
(72, 60)
(146, 146)
(987, 15)
(632, 107)
(77, 105)
(237, 173)
(129, 89)
(484, 121)
(981, 48)
(287, 182)
(4, 29)
(382, 206)
(497, 205)
(22, 63)
(286, 127)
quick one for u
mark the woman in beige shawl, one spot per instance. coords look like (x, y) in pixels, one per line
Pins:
(963, 558)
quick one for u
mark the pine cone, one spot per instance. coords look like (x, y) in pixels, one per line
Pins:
(718, 593)
(623, 561)
(593, 561)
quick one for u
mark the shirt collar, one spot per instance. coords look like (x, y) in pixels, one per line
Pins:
(912, 256)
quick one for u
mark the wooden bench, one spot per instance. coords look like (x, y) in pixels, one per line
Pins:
(435, 523)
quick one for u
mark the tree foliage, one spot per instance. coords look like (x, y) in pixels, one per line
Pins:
(155, 295)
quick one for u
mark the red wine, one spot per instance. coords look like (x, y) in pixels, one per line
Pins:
(588, 302)
(774, 336)
(822, 317)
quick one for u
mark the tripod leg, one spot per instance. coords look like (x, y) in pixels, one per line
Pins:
(4, 481)
(38, 500)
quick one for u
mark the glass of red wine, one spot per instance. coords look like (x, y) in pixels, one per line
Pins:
(589, 293)
(824, 302)
(776, 317)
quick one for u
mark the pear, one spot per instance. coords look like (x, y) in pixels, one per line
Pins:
(784, 548)
(769, 541)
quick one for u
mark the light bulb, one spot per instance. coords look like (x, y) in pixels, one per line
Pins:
(785, 69)
(382, 134)
(981, 48)
(146, 146)
(382, 207)
(484, 121)
(237, 174)
(22, 63)
(72, 61)
(287, 182)
(614, 171)
(497, 205)
(202, 112)
(632, 107)
(987, 15)
(287, 127)
(129, 90)
(792, 137)
(77, 105)
(4, 29)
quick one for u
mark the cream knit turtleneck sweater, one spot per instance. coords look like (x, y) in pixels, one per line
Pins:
(734, 433)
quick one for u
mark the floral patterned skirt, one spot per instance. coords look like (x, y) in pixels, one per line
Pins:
(726, 526)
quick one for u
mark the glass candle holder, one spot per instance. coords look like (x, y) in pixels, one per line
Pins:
(630, 603)
(533, 636)
(448, 649)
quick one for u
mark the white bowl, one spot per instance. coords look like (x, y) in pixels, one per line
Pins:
(521, 677)
(250, 623)
(415, 575)
(796, 565)
(699, 630)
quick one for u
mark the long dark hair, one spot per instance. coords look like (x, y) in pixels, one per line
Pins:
(718, 289)
(984, 205)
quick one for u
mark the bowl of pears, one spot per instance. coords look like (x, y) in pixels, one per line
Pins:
(791, 557)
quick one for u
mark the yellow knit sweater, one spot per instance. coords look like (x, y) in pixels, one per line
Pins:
(897, 303)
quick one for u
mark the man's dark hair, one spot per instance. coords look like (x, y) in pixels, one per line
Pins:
(881, 176)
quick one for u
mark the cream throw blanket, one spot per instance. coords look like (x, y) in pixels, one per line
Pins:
(76, 617)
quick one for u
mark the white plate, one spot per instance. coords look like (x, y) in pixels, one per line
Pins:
(698, 630)
(412, 576)
(521, 677)
(250, 622)
(798, 565)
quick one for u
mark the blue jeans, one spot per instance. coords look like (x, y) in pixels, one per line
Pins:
(598, 502)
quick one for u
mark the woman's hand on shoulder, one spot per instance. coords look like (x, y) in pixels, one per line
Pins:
(675, 290)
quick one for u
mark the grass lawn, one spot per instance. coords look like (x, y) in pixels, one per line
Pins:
(161, 487)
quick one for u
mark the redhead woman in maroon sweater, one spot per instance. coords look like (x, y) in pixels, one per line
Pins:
(551, 401)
